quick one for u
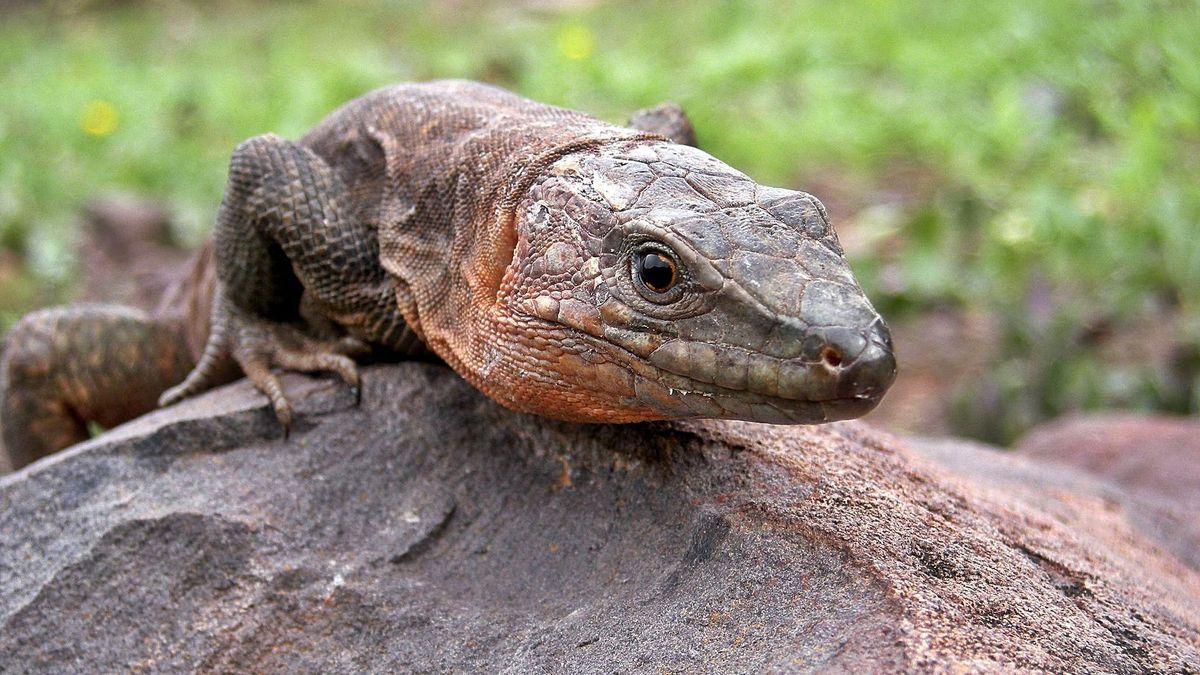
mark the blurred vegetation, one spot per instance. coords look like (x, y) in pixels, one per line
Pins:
(1034, 161)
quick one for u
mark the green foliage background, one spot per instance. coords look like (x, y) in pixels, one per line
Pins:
(1037, 161)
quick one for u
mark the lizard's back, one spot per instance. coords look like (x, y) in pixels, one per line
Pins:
(416, 144)
(431, 167)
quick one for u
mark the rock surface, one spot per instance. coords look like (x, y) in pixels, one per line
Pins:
(1154, 455)
(127, 252)
(429, 529)
(1155, 459)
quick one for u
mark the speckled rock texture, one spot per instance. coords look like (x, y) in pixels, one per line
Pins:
(1154, 458)
(430, 529)
(1154, 455)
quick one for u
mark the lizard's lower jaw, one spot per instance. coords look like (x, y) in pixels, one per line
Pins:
(698, 399)
(843, 384)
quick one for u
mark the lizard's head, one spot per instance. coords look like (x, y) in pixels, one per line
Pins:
(665, 284)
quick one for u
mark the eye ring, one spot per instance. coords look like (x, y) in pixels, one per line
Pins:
(656, 273)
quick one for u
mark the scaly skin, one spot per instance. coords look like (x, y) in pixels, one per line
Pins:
(520, 243)
(64, 367)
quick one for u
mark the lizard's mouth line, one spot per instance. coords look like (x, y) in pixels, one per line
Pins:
(690, 384)
(707, 399)
(680, 392)
(738, 371)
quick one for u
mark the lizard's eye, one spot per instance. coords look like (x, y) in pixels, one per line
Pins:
(655, 272)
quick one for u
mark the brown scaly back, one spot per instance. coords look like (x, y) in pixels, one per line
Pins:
(439, 169)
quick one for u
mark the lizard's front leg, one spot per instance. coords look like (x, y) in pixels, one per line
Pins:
(284, 230)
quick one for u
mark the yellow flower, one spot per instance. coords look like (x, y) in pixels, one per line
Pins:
(99, 118)
(1015, 228)
(576, 42)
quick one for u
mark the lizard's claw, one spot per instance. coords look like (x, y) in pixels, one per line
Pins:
(293, 352)
(257, 346)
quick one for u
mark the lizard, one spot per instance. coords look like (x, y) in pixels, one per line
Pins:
(564, 266)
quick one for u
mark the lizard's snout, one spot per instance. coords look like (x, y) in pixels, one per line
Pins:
(863, 363)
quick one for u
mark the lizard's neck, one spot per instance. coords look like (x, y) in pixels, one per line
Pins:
(452, 265)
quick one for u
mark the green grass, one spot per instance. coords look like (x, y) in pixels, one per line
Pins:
(1038, 161)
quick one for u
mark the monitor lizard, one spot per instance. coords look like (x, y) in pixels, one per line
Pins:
(564, 266)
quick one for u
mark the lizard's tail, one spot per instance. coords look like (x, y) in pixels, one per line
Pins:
(65, 368)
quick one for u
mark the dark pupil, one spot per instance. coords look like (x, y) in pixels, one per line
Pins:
(657, 272)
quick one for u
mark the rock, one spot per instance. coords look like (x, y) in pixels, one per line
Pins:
(1154, 458)
(429, 529)
(1154, 455)
(118, 223)
(127, 253)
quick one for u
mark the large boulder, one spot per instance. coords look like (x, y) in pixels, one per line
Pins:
(1154, 455)
(429, 529)
(1154, 459)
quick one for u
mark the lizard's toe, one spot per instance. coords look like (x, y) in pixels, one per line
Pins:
(257, 346)
(261, 345)
(308, 362)
(258, 371)
(350, 346)
(174, 395)
(203, 376)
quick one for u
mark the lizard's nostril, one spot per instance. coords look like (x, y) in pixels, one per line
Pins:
(869, 373)
(832, 356)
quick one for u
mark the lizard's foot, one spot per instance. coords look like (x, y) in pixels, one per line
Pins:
(666, 119)
(257, 346)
